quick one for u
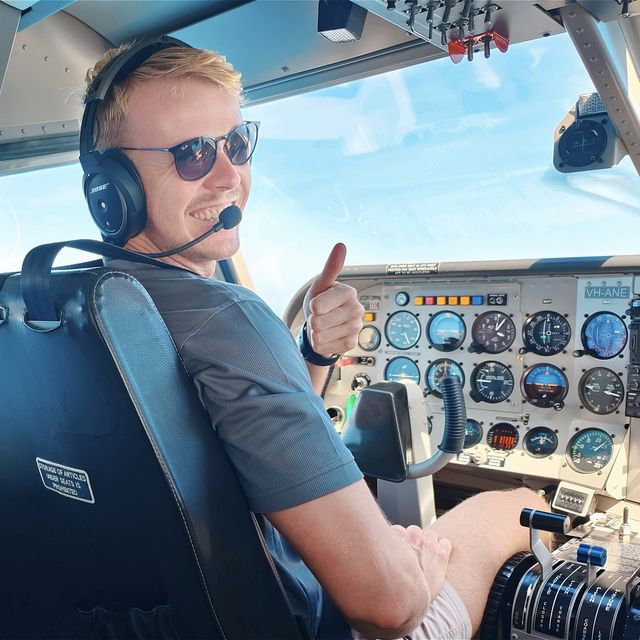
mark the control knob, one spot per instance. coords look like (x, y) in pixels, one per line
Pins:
(360, 381)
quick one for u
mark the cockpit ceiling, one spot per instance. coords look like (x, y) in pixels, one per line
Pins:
(274, 43)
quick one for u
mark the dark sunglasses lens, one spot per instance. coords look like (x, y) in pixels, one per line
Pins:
(195, 158)
(241, 142)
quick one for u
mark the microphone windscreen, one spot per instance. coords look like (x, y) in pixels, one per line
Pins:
(231, 216)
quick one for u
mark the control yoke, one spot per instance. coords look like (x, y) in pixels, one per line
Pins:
(378, 431)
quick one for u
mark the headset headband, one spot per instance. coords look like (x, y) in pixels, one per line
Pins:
(116, 71)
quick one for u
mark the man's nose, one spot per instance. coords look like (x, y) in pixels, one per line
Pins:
(224, 174)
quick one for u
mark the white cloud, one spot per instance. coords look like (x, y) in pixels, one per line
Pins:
(485, 75)
(536, 54)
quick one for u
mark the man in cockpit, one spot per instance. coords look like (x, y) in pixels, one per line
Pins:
(176, 117)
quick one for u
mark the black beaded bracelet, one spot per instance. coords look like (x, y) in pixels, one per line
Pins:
(309, 354)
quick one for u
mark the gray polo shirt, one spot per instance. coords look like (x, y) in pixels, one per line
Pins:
(249, 375)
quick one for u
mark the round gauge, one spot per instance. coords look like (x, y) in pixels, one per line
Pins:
(546, 333)
(369, 338)
(402, 330)
(437, 370)
(604, 335)
(402, 298)
(446, 331)
(582, 143)
(540, 442)
(491, 382)
(402, 369)
(601, 390)
(590, 450)
(494, 331)
(472, 433)
(544, 385)
(503, 436)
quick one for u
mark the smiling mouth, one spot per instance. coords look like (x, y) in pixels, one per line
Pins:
(210, 214)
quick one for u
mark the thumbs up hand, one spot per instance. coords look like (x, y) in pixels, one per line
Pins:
(332, 310)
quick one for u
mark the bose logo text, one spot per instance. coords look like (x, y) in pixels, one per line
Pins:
(100, 187)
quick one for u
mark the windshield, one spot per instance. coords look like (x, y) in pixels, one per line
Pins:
(435, 162)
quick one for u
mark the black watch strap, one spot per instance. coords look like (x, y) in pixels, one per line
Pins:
(309, 354)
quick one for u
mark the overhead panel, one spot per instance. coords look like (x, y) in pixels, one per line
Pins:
(439, 22)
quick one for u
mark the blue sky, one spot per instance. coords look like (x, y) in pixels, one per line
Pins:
(435, 162)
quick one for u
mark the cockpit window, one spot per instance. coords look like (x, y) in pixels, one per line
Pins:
(435, 162)
(43, 206)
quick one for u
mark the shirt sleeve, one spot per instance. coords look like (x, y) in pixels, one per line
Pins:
(255, 386)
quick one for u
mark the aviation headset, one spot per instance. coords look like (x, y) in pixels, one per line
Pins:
(112, 187)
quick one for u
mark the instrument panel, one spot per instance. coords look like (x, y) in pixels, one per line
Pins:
(542, 359)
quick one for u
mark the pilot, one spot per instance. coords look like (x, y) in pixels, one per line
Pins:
(177, 118)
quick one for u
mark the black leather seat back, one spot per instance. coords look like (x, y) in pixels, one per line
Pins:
(120, 513)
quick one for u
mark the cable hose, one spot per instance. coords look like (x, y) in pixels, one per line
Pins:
(455, 415)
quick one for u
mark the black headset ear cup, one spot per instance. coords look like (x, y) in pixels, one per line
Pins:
(116, 198)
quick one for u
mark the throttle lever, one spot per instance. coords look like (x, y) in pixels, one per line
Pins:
(543, 521)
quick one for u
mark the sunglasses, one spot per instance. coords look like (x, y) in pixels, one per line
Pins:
(196, 157)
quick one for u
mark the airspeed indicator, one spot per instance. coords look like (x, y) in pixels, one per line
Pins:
(402, 330)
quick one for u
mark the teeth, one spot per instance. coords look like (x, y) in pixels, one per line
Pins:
(207, 214)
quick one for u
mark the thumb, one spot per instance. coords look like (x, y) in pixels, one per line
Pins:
(333, 266)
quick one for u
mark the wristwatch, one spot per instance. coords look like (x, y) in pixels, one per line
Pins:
(309, 354)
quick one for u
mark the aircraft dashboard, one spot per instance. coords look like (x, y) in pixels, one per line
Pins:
(544, 351)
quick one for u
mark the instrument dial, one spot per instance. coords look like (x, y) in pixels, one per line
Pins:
(590, 450)
(503, 436)
(402, 330)
(494, 331)
(402, 368)
(544, 385)
(546, 333)
(491, 382)
(601, 390)
(472, 433)
(540, 442)
(369, 338)
(437, 370)
(604, 335)
(446, 331)
(402, 298)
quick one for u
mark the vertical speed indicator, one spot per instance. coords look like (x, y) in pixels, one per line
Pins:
(601, 390)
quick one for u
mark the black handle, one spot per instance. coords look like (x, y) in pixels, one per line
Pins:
(455, 415)
(35, 281)
(544, 520)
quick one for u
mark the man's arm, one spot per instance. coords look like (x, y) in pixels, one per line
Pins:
(333, 315)
(372, 574)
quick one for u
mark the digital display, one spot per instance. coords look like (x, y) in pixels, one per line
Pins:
(502, 437)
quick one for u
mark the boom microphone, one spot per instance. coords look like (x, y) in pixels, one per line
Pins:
(229, 218)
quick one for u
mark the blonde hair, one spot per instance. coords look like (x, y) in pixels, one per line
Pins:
(171, 62)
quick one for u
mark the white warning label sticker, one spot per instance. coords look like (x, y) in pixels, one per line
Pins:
(67, 481)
